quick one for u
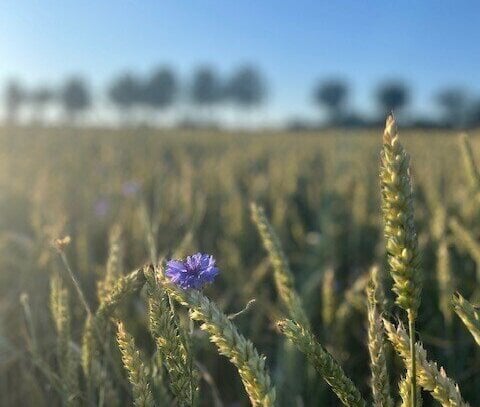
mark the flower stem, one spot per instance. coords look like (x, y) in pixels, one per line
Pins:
(411, 329)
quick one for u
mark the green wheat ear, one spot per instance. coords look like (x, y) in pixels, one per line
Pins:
(463, 238)
(405, 392)
(137, 373)
(397, 207)
(400, 233)
(230, 343)
(468, 314)
(329, 298)
(114, 263)
(284, 279)
(95, 331)
(446, 281)
(429, 376)
(376, 341)
(323, 362)
(470, 165)
(68, 363)
(122, 288)
(172, 343)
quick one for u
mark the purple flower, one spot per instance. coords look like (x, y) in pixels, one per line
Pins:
(101, 207)
(193, 272)
(130, 188)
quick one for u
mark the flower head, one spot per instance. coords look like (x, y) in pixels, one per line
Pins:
(193, 272)
(101, 207)
(130, 188)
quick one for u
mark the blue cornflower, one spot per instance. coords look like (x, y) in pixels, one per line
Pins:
(130, 188)
(193, 272)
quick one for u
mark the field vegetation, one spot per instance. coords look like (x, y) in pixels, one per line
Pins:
(307, 230)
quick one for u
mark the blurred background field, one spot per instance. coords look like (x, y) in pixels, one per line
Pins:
(321, 192)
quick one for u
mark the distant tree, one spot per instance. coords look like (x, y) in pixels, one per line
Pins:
(125, 92)
(75, 97)
(14, 97)
(161, 90)
(332, 94)
(392, 96)
(39, 98)
(206, 90)
(453, 104)
(474, 114)
(246, 88)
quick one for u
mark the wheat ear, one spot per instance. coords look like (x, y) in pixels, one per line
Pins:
(376, 342)
(329, 299)
(123, 287)
(137, 374)
(114, 262)
(323, 362)
(230, 343)
(463, 238)
(284, 279)
(429, 376)
(399, 230)
(468, 314)
(68, 364)
(404, 389)
(446, 281)
(470, 165)
(95, 330)
(172, 344)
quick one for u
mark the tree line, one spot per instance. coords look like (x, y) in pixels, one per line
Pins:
(151, 96)
(456, 109)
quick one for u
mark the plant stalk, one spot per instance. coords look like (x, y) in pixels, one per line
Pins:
(413, 383)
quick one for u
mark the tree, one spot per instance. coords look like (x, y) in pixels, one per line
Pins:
(246, 88)
(125, 92)
(333, 95)
(75, 97)
(161, 89)
(14, 97)
(474, 114)
(39, 98)
(453, 104)
(392, 96)
(206, 90)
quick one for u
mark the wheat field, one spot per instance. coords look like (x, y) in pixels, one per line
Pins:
(337, 251)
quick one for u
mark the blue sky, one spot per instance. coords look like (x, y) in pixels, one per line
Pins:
(295, 43)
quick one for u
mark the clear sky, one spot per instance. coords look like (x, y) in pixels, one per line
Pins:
(429, 43)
